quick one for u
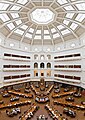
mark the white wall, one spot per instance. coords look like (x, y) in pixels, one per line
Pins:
(65, 48)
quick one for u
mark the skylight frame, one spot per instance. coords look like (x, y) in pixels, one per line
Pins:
(61, 2)
(18, 31)
(38, 32)
(66, 22)
(18, 22)
(23, 2)
(56, 35)
(15, 8)
(37, 37)
(80, 17)
(64, 32)
(28, 35)
(46, 32)
(15, 15)
(69, 7)
(47, 37)
(60, 27)
(73, 26)
(80, 6)
(24, 27)
(53, 30)
(70, 15)
(4, 17)
(11, 26)
(4, 6)
(31, 30)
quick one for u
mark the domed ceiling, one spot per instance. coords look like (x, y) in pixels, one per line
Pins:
(45, 22)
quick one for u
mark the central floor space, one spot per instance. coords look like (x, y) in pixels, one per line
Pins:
(42, 101)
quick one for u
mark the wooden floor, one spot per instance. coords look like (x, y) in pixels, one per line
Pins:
(42, 110)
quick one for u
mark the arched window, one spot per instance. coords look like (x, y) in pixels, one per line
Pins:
(48, 65)
(48, 57)
(48, 73)
(35, 57)
(35, 73)
(42, 65)
(42, 57)
(35, 65)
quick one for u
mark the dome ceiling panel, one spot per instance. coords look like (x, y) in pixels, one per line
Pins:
(16, 20)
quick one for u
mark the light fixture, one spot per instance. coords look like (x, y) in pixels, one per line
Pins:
(36, 49)
(26, 48)
(11, 45)
(73, 45)
(58, 48)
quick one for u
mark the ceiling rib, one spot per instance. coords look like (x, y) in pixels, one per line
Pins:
(69, 11)
(34, 34)
(72, 3)
(68, 29)
(17, 4)
(32, 3)
(52, 3)
(12, 11)
(13, 20)
(42, 37)
(74, 21)
(26, 32)
(51, 35)
(16, 29)
(59, 32)
(11, 5)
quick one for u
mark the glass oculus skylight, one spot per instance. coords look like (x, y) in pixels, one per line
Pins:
(42, 16)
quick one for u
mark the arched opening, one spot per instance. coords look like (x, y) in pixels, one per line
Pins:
(35, 57)
(35, 65)
(48, 57)
(48, 73)
(42, 65)
(48, 65)
(35, 73)
(42, 57)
